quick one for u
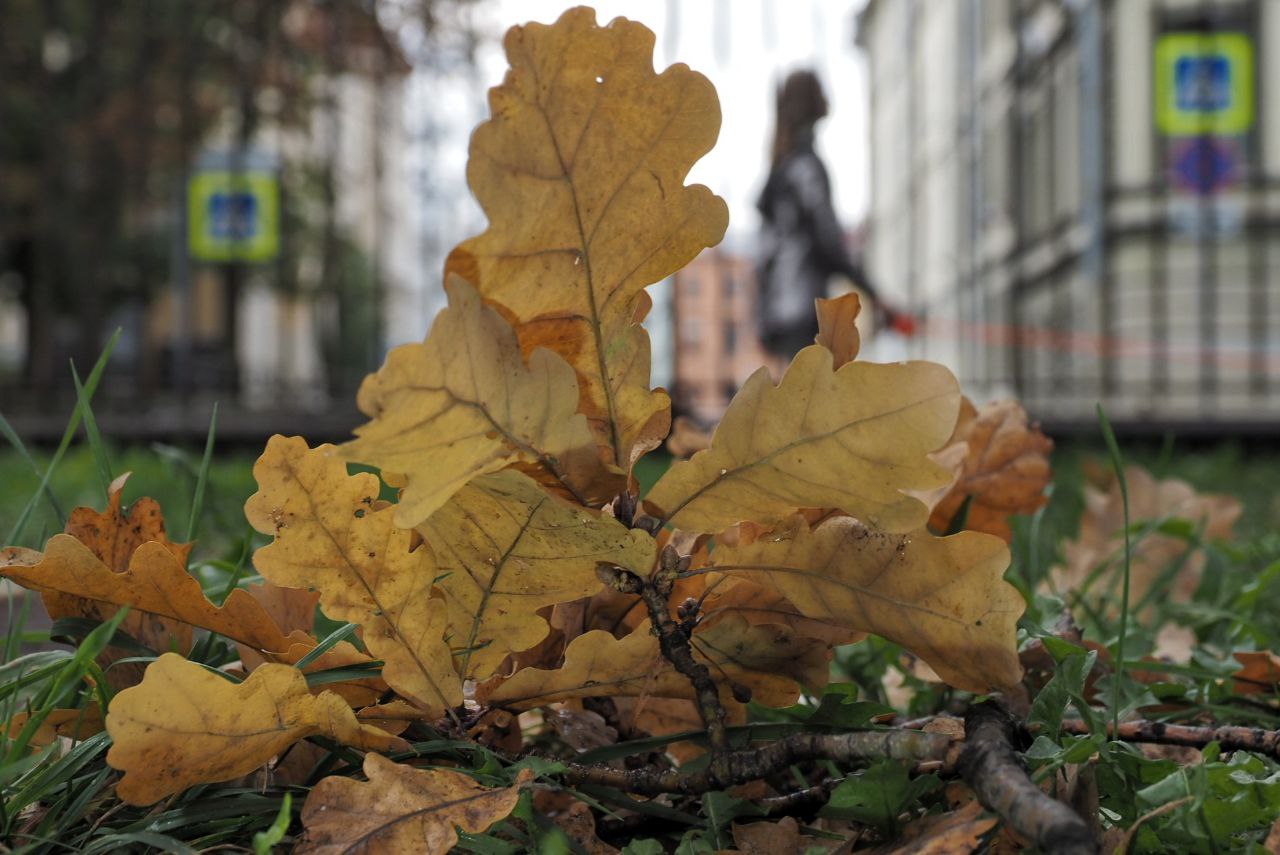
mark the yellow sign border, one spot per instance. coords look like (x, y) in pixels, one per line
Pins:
(1237, 118)
(263, 246)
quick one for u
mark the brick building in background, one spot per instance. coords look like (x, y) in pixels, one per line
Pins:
(716, 340)
(716, 343)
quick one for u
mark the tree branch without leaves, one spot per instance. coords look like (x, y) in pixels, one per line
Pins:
(910, 746)
(990, 765)
(1231, 738)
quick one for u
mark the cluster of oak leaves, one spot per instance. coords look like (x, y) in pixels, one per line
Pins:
(510, 434)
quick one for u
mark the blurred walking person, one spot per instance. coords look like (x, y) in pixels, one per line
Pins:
(802, 244)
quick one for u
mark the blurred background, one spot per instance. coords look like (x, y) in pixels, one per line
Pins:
(1076, 200)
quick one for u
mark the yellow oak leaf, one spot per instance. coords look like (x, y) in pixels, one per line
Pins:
(400, 809)
(852, 439)
(768, 659)
(504, 548)
(463, 403)
(183, 725)
(329, 536)
(580, 171)
(837, 326)
(156, 586)
(1005, 469)
(665, 716)
(943, 599)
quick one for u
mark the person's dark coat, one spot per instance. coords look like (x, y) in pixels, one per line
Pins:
(802, 246)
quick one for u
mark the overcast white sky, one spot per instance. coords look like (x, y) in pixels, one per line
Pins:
(744, 47)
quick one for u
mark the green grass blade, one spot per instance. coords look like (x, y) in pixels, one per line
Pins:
(202, 480)
(263, 841)
(1117, 463)
(20, 447)
(73, 424)
(91, 432)
(330, 641)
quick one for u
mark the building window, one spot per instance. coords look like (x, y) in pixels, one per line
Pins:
(730, 338)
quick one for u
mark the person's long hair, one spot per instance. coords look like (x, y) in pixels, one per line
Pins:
(800, 104)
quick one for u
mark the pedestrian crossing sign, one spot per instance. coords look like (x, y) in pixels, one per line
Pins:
(233, 216)
(1204, 83)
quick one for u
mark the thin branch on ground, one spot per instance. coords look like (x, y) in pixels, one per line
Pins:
(854, 748)
(993, 769)
(1230, 737)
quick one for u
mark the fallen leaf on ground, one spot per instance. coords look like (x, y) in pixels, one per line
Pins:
(329, 536)
(72, 724)
(959, 832)
(155, 583)
(769, 838)
(580, 171)
(1101, 537)
(400, 810)
(1260, 674)
(1005, 469)
(944, 599)
(183, 725)
(852, 439)
(464, 403)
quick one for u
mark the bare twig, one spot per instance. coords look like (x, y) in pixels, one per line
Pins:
(673, 640)
(1231, 738)
(858, 747)
(991, 767)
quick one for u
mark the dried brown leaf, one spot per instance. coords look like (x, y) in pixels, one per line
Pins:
(580, 171)
(463, 403)
(328, 536)
(400, 810)
(504, 548)
(943, 599)
(1005, 470)
(183, 725)
(852, 439)
(837, 326)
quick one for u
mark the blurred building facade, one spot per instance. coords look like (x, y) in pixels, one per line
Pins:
(93, 223)
(716, 343)
(1082, 198)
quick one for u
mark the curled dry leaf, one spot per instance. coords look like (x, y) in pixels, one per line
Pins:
(328, 536)
(687, 438)
(943, 599)
(958, 832)
(183, 725)
(463, 403)
(113, 535)
(837, 326)
(290, 608)
(400, 810)
(69, 724)
(770, 837)
(154, 584)
(504, 548)
(852, 439)
(1101, 538)
(1260, 673)
(771, 660)
(580, 171)
(1005, 469)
